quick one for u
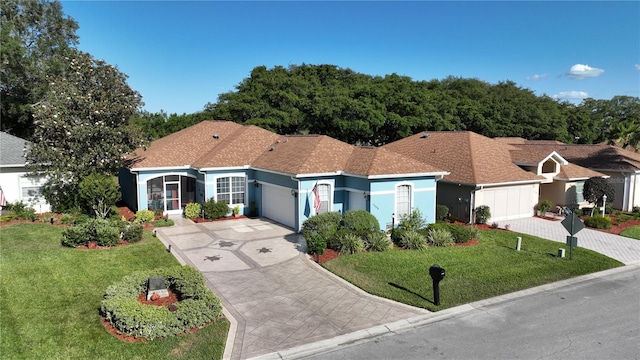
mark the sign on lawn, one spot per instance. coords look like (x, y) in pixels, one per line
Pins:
(573, 224)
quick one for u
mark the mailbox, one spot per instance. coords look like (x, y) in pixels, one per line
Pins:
(437, 273)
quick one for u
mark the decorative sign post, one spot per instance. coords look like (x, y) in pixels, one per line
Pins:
(573, 224)
(156, 285)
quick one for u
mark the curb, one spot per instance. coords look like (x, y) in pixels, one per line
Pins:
(415, 322)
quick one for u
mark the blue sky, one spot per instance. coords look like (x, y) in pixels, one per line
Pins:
(180, 55)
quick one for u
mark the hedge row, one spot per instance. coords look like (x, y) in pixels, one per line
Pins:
(196, 307)
(101, 231)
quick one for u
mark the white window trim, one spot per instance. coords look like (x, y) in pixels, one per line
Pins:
(330, 206)
(411, 197)
(229, 176)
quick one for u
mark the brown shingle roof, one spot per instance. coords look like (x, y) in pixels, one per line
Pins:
(596, 157)
(574, 172)
(196, 146)
(305, 154)
(241, 148)
(380, 161)
(469, 157)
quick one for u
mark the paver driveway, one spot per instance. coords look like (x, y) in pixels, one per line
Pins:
(276, 296)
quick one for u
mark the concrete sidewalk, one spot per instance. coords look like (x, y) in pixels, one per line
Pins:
(623, 249)
(275, 297)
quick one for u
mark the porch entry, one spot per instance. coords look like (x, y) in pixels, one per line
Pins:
(170, 193)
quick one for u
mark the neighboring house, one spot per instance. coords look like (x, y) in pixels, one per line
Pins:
(622, 167)
(16, 185)
(276, 176)
(485, 171)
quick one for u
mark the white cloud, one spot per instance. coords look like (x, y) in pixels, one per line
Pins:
(579, 72)
(637, 66)
(537, 77)
(571, 95)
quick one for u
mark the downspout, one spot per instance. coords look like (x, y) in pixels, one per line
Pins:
(205, 183)
(298, 228)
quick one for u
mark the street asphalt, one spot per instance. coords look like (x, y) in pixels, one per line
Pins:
(282, 305)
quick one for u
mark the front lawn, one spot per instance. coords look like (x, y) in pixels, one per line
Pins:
(473, 273)
(50, 299)
(632, 232)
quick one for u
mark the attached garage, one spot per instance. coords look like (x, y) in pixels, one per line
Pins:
(278, 205)
(509, 202)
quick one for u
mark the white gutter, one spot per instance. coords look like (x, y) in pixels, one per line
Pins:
(161, 168)
(441, 174)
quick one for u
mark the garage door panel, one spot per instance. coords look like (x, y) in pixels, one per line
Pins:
(510, 202)
(278, 205)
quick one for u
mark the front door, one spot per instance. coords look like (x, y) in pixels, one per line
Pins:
(172, 198)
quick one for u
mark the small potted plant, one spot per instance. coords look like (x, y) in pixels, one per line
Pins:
(236, 211)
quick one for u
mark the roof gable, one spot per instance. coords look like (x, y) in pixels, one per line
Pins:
(469, 157)
(12, 150)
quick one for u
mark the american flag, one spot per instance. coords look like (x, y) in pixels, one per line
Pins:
(3, 201)
(316, 198)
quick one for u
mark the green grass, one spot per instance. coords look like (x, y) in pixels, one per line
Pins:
(50, 299)
(631, 232)
(473, 273)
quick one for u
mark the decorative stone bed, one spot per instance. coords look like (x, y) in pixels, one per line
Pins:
(195, 307)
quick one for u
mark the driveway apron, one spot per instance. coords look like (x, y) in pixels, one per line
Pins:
(623, 249)
(275, 296)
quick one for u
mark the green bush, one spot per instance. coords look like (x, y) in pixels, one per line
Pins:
(8, 217)
(412, 221)
(439, 237)
(460, 233)
(98, 193)
(578, 212)
(163, 222)
(319, 230)
(598, 222)
(74, 236)
(132, 233)
(360, 220)
(196, 307)
(192, 210)
(144, 216)
(106, 234)
(544, 206)
(21, 210)
(412, 240)
(396, 235)
(216, 209)
(66, 218)
(483, 213)
(377, 241)
(441, 212)
(349, 243)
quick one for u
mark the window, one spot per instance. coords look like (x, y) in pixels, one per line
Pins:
(324, 190)
(403, 200)
(579, 188)
(231, 189)
(31, 189)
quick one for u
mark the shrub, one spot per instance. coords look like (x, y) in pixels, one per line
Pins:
(544, 206)
(66, 219)
(396, 235)
(132, 233)
(461, 233)
(98, 193)
(319, 230)
(377, 241)
(8, 217)
(578, 212)
(412, 240)
(412, 221)
(106, 234)
(144, 216)
(197, 306)
(192, 210)
(74, 236)
(21, 210)
(494, 225)
(163, 222)
(441, 212)
(360, 220)
(636, 209)
(349, 243)
(598, 222)
(439, 237)
(216, 209)
(483, 213)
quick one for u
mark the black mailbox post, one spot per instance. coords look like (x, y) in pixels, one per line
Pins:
(437, 273)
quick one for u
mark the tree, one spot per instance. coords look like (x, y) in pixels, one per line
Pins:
(625, 133)
(82, 127)
(99, 193)
(595, 188)
(34, 37)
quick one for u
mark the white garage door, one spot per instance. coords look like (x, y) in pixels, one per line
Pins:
(278, 205)
(508, 203)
